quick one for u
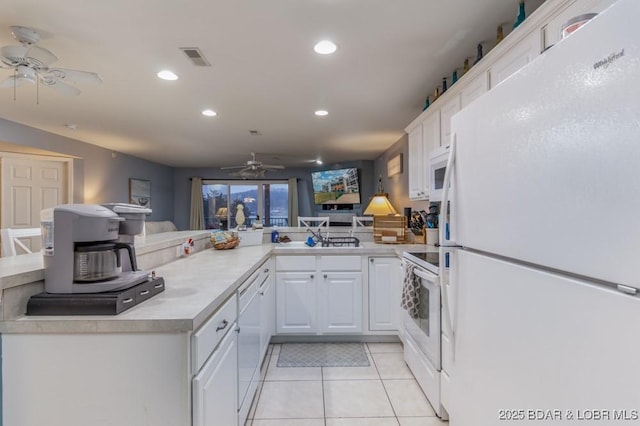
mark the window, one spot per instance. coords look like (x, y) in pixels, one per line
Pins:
(266, 200)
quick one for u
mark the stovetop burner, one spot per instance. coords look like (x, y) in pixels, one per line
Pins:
(429, 261)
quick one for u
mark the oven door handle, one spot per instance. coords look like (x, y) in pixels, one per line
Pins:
(426, 276)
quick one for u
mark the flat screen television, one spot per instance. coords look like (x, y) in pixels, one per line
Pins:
(339, 186)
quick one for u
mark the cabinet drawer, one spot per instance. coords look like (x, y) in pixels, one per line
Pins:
(340, 263)
(205, 340)
(296, 263)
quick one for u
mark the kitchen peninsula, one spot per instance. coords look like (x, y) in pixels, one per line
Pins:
(146, 361)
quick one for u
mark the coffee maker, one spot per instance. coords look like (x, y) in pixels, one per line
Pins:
(83, 252)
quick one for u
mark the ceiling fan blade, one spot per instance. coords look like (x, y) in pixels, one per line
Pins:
(13, 55)
(75, 76)
(12, 81)
(39, 57)
(233, 167)
(61, 87)
(272, 166)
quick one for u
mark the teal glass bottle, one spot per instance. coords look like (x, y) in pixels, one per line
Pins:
(454, 77)
(426, 104)
(444, 84)
(521, 14)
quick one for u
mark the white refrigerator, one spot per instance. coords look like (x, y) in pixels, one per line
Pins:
(543, 289)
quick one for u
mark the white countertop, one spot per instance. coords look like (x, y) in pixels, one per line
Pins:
(195, 287)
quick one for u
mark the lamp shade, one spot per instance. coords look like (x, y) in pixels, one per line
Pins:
(380, 205)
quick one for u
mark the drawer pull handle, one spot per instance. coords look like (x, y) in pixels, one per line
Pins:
(266, 270)
(144, 292)
(325, 275)
(158, 286)
(127, 300)
(311, 275)
(225, 323)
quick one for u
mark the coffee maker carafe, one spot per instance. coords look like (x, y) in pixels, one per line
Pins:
(82, 251)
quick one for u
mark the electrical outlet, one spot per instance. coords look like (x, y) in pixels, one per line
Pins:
(179, 251)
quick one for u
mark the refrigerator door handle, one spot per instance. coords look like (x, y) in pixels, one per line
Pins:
(444, 286)
(445, 196)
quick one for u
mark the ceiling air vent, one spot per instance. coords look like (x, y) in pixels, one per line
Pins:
(195, 56)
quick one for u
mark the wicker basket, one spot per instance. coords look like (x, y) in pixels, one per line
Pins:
(228, 244)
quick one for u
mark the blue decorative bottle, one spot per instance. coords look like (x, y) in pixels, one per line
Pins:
(521, 14)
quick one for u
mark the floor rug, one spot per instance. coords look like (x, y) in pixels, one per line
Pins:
(323, 355)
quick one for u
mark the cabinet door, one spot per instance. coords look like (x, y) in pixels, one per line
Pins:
(430, 141)
(472, 91)
(384, 293)
(417, 166)
(267, 314)
(341, 302)
(514, 59)
(446, 112)
(296, 302)
(552, 31)
(215, 388)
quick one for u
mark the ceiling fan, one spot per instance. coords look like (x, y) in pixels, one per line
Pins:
(30, 65)
(252, 168)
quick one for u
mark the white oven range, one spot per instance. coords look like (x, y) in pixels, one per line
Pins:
(421, 327)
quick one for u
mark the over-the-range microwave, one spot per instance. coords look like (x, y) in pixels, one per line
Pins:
(437, 168)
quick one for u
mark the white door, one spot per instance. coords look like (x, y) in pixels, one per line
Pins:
(340, 295)
(384, 293)
(530, 339)
(215, 388)
(296, 302)
(30, 184)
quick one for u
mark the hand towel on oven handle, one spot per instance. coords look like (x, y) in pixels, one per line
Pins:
(410, 288)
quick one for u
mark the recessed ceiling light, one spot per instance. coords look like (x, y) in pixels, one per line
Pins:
(325, 47)
(321, 113)
(209, 113)
(167, 75)
(71, 126)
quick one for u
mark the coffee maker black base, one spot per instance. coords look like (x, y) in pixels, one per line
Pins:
(107, 303)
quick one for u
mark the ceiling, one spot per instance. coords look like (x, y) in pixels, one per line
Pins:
(264, 74)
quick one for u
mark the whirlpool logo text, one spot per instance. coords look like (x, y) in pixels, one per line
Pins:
(608, 60)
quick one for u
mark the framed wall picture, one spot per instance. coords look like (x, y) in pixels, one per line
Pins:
(394, 166)
(140, 192)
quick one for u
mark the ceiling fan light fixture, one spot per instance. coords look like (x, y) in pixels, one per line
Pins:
(325, 47)
(209, 113)
(318, 161)
(167, 75)
(321, 113)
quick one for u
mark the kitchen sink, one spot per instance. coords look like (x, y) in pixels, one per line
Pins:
(342, 242)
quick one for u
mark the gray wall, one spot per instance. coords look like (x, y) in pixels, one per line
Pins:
(100, 175)
(182, 185)
(397, 186)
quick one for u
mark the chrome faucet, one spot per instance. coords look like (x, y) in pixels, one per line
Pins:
(316, 235)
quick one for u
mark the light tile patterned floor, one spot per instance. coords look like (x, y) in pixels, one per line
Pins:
(383, 394)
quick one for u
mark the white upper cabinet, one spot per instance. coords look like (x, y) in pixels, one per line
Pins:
(474, 89)
(552, 30)
(446, 112)
(417, 170)
(516, 58)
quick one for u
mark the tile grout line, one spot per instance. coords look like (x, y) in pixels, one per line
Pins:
(324, 406)
(385, 388)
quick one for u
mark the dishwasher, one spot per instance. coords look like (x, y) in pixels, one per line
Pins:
(248, 344)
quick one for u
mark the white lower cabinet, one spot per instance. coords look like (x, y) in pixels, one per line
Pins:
(340, 299)
(326, 297)
(215, 387)
(267, 313)
(384, 293)
(296, 302)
